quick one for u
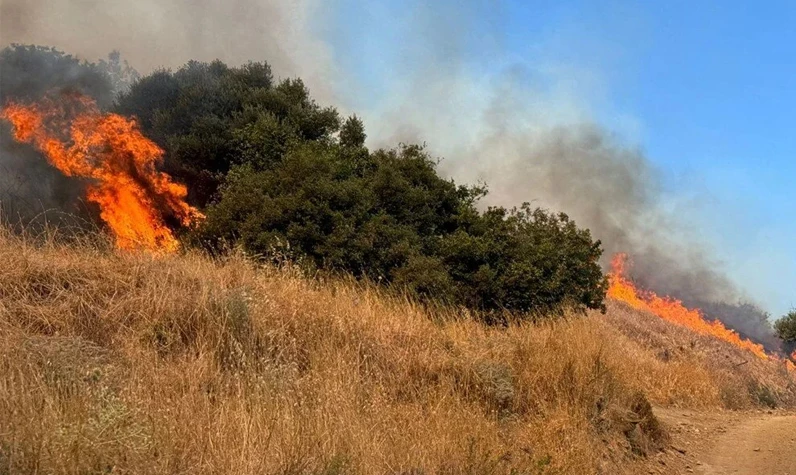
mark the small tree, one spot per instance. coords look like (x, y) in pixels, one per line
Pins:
(352, 133)
(786, 327)
(119, 72)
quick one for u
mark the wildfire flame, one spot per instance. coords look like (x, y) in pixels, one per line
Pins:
(671, 309)
(118, 160)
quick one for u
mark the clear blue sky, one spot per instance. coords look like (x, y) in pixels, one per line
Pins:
(707, 89)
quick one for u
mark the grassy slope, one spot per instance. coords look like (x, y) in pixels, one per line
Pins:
(183, 365)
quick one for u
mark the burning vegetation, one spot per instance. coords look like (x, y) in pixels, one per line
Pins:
(670, 309)
(276, 173)
(134, 198)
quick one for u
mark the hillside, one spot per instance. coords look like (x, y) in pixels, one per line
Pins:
(118, 362)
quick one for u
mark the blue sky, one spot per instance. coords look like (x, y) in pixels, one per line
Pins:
(705, 89)
(714, 90)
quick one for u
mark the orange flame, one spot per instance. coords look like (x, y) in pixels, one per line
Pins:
(109, 150)
(671, 309)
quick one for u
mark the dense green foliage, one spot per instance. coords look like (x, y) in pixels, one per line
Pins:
(389, 216)
(280, 175)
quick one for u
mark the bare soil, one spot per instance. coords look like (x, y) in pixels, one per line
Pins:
(726, 442)
(761, 446)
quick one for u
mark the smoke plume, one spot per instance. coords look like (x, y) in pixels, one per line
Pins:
(615, 192)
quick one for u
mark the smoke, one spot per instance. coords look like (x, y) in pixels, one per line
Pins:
(151, 34)
(525, 126)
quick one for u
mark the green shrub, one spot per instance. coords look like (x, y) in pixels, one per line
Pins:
(390, 217)
(282, 176)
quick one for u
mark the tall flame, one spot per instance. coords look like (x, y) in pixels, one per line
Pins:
(118, 160)
(671, 309)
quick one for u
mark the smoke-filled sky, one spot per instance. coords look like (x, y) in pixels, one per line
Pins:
(663, 126)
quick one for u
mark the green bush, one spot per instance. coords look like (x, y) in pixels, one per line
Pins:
(282, 176)
(389, 216)
(525, 259)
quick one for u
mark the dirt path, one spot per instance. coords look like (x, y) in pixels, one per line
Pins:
(727, 443)
(759, 446)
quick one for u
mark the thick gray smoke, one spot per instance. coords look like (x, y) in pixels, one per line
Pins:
(151, 34)
(528, 131)
(612, 189)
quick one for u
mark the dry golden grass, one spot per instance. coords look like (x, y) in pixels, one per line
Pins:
(120, 363)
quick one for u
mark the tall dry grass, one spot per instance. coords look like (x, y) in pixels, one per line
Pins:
(122, 363)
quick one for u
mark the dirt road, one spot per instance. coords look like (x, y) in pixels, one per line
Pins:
(726, 442)
(760, 446)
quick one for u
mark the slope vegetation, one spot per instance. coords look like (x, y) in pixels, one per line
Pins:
(122, 363)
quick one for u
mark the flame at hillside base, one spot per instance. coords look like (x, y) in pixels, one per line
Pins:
(671, 309)
(118, 161)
